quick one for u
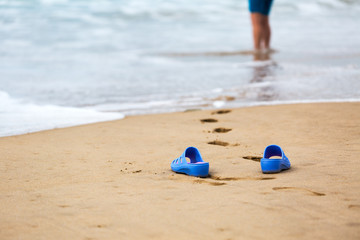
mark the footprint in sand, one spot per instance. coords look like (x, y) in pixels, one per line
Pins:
(252, 158)
(354, 206)
(353, 224)
(208, 120)
(201, 181)
(219, 143)
(221, 112)
(298, 190)
(222, 130)
(220, 181)
(98, 226)
(218, 178)
(221, 229)
(64, 206)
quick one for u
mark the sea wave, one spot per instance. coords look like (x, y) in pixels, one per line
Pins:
(20, 117)
(98, 12)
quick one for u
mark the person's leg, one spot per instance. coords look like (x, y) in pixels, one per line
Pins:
(256, 19)
(260, 9)
(261, 30)
(267, 33)
(267, 29)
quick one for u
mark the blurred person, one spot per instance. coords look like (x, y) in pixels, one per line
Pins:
(260, 10)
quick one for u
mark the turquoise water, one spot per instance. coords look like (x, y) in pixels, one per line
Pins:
(65, 63)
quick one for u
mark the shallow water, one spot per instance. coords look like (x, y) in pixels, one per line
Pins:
(65, 63)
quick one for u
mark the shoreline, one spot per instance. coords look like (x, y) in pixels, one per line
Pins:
(229, 106)
(112, 180)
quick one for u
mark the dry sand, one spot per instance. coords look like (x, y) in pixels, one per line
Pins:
(113, 180)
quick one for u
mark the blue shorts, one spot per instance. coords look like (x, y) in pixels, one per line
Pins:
(260, 6)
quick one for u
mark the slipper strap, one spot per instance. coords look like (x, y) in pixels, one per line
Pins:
(180, 160)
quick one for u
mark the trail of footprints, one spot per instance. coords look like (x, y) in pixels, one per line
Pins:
(218, 180)
(251, 158)
(221, 143)
(224, 130)
(219, 129)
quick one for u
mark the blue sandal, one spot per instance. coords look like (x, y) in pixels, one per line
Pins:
(274, 165)
(196, 167)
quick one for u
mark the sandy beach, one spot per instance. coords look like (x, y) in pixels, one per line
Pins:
(112, 180)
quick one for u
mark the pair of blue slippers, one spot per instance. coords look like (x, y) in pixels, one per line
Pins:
(198, 168)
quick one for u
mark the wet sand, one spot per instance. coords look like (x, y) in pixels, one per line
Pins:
(113, 180)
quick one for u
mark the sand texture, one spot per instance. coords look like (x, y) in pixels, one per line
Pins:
(113, 180)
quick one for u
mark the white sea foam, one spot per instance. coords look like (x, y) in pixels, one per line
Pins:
(273, 103)
(18, 117)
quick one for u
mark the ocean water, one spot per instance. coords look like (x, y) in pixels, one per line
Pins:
(71, 62)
